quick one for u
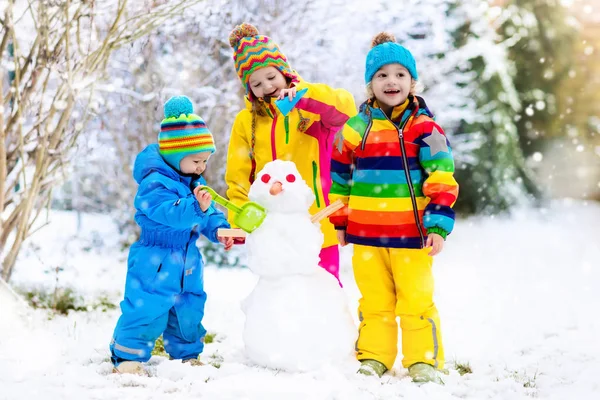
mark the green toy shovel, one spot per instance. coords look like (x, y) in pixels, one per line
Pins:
(248, 217)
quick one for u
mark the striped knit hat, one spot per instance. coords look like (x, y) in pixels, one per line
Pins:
(252, 51)
(182, 132)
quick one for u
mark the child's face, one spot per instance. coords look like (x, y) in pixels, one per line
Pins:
(391, 85)
(267, 82)
(194, 163)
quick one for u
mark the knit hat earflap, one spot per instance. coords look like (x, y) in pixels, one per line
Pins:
(252, 51)
(182, 132)
(386, 51)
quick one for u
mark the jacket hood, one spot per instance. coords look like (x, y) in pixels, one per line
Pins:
(150, 160)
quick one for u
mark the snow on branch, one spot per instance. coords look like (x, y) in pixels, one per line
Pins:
(54, 56)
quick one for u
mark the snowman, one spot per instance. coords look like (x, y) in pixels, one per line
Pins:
(297, 317)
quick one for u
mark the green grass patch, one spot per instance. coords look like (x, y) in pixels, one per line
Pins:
(63, 300)
(159, 345)
(463, 368)
(528, 381)
(215, 360)
(159, 348)
(211, 337)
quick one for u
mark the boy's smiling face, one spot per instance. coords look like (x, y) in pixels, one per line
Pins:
(194, 163)
(267, 82)
(391, 86)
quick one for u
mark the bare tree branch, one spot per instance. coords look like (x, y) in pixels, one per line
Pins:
(57, 64)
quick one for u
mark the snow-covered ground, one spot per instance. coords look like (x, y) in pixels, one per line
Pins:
(517, 298)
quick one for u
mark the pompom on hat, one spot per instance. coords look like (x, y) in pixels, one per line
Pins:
(252, 51)
(182, 132)
(386, 51)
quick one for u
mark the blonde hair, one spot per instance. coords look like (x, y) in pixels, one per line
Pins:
(415, 87)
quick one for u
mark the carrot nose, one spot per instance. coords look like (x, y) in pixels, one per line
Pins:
(276, 188)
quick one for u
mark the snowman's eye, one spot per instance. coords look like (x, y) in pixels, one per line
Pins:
(290, 178)
(265, 178)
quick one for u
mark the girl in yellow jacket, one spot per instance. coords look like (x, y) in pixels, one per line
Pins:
(261, 133)
(393, 168)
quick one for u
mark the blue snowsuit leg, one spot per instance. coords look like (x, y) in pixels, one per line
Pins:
(164, 294)
(164, 289)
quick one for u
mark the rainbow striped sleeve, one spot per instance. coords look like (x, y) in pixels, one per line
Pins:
(342, 159)
(435, 156)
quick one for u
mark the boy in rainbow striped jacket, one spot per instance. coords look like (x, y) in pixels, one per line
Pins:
(393, 168)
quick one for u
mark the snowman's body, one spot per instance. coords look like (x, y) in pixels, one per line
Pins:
(297, 316)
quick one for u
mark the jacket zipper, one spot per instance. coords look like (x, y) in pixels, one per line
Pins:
(369, 125)
(411, 189)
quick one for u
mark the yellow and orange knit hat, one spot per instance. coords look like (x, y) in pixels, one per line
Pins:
(252, 51)
(182, 132)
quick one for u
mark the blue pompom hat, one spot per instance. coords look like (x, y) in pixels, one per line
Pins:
(386, 51)
(182, 132)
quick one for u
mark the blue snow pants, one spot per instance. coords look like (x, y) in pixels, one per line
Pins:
(164, 294)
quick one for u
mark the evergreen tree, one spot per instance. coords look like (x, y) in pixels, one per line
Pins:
(493, 174)
(541, 39)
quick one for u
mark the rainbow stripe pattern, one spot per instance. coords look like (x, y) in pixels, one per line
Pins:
(252, 53)
(395, 175)
(182, 136)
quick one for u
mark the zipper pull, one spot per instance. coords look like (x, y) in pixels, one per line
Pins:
(400, 133)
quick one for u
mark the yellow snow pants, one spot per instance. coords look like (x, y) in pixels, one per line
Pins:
(397, 282)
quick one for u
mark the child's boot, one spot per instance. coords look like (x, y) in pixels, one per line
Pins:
(371, 367)
(423, 373)
(130, 367)
(194, 362)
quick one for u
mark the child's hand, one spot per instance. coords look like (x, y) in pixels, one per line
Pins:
(204, 198)
(291, 93)
(341, 237)
(436, 242)
(227, 242)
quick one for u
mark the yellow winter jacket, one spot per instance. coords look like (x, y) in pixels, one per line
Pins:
(308, 143)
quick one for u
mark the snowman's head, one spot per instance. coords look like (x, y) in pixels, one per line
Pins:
(280, 188)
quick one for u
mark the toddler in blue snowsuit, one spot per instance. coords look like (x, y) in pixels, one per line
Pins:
(164, 290)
